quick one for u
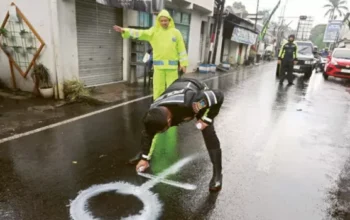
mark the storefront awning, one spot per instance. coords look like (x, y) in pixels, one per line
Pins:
(238, 33)
(150, 6)
(243, 36)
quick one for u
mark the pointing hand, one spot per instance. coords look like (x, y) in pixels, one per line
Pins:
(118, 29)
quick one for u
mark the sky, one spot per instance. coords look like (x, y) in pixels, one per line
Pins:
(294, 8)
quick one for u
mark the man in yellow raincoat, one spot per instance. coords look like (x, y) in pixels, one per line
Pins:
(168, 50)
(169, 53)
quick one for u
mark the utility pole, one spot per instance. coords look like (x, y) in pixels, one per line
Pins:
(256, 16)
(212, 37)
(220, 18)
(280, 36)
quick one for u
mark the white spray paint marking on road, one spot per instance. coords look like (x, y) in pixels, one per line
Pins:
(169, 182)
(16, 136)
(152, 207)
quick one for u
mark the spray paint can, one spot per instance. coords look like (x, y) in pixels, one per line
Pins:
(141, 169)
(199, 126)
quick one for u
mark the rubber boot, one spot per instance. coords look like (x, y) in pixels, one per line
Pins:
(216, 181)
(135, 159)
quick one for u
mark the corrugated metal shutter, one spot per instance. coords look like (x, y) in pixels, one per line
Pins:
(100, 48)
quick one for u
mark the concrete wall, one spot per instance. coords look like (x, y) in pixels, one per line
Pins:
(66, 53)
(344, 33)
(233, 52)
(207, 4)
(68, 39)
(194, 41)
(130, 18)
(56, 24)
(39, 18)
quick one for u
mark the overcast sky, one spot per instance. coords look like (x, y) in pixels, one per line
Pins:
(294, 8)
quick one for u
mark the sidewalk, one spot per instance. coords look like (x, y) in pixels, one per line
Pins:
(21, 112)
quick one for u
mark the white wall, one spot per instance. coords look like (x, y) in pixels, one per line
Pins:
(207, 4)
(67, 60)
(345, 32)
(56, 24)
(194, 41)
(38, 17)
(233, 52)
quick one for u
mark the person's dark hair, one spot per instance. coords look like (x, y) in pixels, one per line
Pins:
(155, 120)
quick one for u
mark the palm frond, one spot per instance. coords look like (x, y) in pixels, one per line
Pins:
(342, 2)
(328, 12)
(340, 12)
(344, 7)
(334, 2)
(328, 5)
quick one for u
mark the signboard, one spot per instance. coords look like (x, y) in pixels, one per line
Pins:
(150, 6)
(243, 36)
(332, 31)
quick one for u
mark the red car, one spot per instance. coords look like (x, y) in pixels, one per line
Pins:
(338, 64)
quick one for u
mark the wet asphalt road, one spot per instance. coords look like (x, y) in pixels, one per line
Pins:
(284, 148)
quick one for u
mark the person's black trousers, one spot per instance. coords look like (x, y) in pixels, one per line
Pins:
(213, 146)
(287, 67)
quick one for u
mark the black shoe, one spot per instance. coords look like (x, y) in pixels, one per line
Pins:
(216, 181)
(135, 159)
(290, 84)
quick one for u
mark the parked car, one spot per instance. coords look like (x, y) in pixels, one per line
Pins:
(306, 60)
(338, 64)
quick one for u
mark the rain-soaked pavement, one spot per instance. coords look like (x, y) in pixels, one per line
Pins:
(286, 152)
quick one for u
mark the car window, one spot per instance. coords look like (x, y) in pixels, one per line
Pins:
(304, 48)
(342, 54)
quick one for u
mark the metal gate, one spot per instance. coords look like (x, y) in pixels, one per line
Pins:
(100, 48)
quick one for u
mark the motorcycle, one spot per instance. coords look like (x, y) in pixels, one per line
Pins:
(321, 64)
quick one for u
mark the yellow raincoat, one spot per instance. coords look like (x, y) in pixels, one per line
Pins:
(168, 51)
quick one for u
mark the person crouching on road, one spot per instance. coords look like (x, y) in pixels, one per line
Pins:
(184, 100)
(287, 58)
(168, 50)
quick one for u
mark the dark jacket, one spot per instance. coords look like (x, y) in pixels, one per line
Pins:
(178, 98)
(288, 52)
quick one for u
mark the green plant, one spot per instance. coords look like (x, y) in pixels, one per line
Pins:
(41, 74)
(23, 32)
(3, 32)
(31, 49)
(13, 38)
(17, 49)
(75, 90)
(8, 50)
(24, 53)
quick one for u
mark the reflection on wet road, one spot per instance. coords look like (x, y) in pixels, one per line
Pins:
(283, 150)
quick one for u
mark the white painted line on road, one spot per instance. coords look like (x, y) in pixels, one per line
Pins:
(16, 136)
(71, 120)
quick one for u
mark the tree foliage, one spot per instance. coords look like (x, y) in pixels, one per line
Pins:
(317, 34)
(238, 9)
(335, 8)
